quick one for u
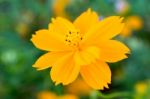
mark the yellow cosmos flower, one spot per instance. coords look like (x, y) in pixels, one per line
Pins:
(82, 47)
(132, 23)
(50, 95)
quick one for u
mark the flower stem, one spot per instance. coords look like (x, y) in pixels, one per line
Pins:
(99, 95)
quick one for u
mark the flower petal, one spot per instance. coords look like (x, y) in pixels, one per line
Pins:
(104, 30)
(47, 60)
(113, 51)
(65, 70)
(86, 20)
(61, 26)
(49, 41)
(87, 56)
(96, 75)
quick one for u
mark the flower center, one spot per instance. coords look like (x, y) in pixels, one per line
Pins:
(73, 38)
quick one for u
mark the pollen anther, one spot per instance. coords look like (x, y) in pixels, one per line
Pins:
(73, 38)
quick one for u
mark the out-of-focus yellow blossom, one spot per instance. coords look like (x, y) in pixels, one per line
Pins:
(67, 97)
(141, 87)
(122, 6)
(50, 95)
(46, 95)
(131, 23)
(78, 87)
(22, 29)
(142, 90)
(59, 7)
(134, 22)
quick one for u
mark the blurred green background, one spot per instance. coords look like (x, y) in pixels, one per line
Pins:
(19, 19)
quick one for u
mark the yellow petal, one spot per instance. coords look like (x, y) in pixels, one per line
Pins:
(61, 26)
(86, 20)
(104, 30)
(65, 70)
(96, 75)
(50, 41)
(113, 51)
(87, 55)
(47, 60)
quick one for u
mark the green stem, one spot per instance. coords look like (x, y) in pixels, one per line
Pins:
(111, 95)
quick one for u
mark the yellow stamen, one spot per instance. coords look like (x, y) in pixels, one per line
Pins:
(73, 38)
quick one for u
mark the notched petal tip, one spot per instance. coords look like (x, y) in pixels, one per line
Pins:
(106, 86)
(37, 68)
(34, 65)
(121, 18)
(89, 10)
(57, 83)
(128, 53)
(52, 19)
(126, 56)
(33, 35)
(103, 87)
